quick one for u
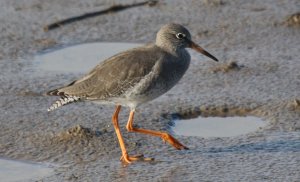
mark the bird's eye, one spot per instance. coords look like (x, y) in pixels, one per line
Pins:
(180, 36)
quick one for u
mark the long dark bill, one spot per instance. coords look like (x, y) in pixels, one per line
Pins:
(201, 50)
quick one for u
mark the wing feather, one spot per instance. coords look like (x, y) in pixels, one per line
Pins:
(114, 76)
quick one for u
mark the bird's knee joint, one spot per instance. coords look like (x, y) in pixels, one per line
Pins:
(115, 122)
(166, 136)
(129, 128)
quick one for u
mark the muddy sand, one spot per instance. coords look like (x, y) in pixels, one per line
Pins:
(257, 43)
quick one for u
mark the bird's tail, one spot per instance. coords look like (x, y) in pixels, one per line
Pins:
(64, 100)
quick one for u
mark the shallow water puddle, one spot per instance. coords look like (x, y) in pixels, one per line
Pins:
(11, 170)
(217, 126)
(79, 58)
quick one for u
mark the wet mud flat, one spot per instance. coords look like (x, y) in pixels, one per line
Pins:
(258, 75)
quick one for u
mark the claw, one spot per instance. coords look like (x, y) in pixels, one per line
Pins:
(175, 143)
(128, 159)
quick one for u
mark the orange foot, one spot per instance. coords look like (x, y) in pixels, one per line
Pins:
(171, 140)
(128, 159)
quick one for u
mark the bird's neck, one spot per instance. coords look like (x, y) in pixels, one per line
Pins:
(174, 50)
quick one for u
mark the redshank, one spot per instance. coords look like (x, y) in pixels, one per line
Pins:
(134, 77)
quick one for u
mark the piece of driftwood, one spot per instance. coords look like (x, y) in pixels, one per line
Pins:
(112, 9)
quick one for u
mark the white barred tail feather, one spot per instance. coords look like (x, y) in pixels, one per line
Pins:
(63, 101)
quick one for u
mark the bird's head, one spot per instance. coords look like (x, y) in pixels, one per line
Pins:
(174, 36)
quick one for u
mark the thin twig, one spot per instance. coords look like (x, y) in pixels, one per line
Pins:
(112, 9)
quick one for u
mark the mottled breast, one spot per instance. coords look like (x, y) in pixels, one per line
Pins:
(167, 71)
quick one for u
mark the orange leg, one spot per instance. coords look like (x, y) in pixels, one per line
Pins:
(125, 157)
(164, 136)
